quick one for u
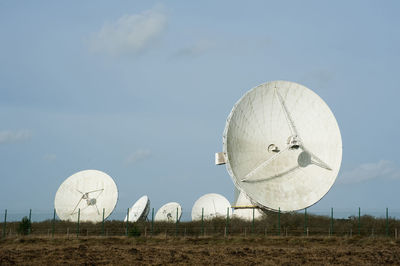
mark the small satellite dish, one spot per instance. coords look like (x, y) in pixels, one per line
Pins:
(140, 209)
(170, 212)
(282, 146)
(244, 208)
(212, 205)
(87, 192)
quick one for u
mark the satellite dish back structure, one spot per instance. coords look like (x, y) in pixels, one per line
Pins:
(244, 209)
(212, 205)
(282, 146)
(139, 210)
(87, 192)
(170, 212)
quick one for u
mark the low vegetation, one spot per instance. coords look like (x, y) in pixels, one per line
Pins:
(272, 224)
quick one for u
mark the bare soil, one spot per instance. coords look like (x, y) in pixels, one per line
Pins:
(199, 251)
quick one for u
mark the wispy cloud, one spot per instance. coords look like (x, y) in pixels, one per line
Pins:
(130, 34)
(9, 136)
(320, 77)
(195, 49)
(49, 157)
(137, 156)
(369, 171)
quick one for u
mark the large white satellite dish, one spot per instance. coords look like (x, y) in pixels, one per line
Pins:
(282, 146)
(212, 205)
(170, 212)
(87, 192)
(140, 209)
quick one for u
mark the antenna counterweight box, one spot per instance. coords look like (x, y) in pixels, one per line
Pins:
(220, 158)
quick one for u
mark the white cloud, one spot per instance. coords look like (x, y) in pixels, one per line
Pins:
(8, 136)
(130, 34)
(195, 49)
(138, 155)
(369, 171)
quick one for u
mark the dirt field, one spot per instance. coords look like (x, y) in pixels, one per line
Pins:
(200, 251)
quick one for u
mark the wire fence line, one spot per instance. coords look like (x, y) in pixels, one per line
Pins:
(302, 223)
(339, 213)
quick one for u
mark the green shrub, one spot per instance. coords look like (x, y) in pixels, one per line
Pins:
(24, 226)
(134, 231)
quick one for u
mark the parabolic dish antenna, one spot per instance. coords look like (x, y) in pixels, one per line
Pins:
(140, 209)
(170, 212)
(282, 146)
(87, 192)
(210, 206)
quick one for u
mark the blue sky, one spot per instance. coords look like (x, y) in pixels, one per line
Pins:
(141, 90)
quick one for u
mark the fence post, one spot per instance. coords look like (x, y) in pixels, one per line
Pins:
(252, 225)
(30, 225)
(176, 223)
(227, 221)
(5, 223)
(202, 221)
(77, 229)
(279, 221)
(102, 223)
(53, 223)
(387, 222)
(127, 222)
(331, 231)
(152, 221)
(305, 221)
(359, 221)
